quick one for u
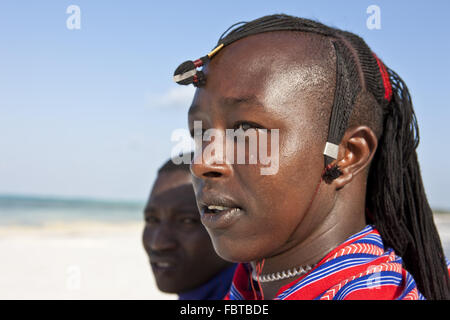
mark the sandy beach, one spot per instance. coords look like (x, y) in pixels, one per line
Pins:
(87, 260)
(82, 260)
(443, 224)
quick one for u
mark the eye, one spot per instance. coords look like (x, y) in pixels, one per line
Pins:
(192, 132)
(245, 125)
(189, 221)
(151, 220)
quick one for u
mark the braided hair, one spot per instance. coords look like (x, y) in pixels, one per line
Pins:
(396, 202)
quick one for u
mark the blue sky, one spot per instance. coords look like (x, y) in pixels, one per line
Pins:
(90, 112)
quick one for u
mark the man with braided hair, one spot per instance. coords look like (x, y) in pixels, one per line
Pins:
(346, 215)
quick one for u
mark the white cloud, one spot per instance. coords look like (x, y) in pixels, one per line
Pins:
(176, 97)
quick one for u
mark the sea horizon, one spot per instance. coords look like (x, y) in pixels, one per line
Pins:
(23, 209)
(28, 209)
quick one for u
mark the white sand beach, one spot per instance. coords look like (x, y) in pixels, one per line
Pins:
(443, 224)
(75, 261)
(88, 260)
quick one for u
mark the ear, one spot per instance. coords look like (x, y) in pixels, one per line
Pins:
(356, 151)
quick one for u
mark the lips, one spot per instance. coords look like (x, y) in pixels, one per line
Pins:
(214, 209)
(219, 212)
(163, 266)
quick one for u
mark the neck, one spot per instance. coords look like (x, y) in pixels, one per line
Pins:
(215, 289)
(306, 247)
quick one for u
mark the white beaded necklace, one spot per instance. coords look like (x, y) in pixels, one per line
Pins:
(276, 276)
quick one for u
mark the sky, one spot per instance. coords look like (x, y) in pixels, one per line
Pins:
(89, 112)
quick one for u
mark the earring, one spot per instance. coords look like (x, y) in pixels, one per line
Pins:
(331, 172)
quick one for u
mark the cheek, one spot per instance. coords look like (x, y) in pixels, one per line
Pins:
(203, 259)
(285, 191)
(198, 247)
(196, 184)
(146, 238)
(276, 203)
(293, 187)
(272, 216)
(197, 242)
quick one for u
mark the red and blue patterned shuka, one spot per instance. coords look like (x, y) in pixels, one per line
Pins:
(360, 268)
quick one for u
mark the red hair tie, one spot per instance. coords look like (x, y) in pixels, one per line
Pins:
(385, 76)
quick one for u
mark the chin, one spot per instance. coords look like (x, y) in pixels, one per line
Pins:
(233, 250)
(168, 289)
(169, 286)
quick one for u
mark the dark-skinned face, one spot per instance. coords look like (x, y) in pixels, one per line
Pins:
(180, 250)
(276, 80)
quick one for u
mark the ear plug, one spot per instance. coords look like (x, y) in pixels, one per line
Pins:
(332, 171)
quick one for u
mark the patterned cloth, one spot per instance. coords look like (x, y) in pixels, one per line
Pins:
(360, 268)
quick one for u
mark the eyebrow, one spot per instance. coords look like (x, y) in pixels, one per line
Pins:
(234, 101)
(149, 209)
(231, 102)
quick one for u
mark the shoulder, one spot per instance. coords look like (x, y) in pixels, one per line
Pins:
(384, 279)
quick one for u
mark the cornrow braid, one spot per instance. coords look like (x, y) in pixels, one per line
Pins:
(395, 198)
(347, 88)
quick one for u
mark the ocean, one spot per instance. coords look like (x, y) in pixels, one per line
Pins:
(30, 210)
(39, 211)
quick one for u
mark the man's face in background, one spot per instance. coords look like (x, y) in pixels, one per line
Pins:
(181, 253)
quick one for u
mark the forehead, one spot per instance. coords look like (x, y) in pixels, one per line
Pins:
(246, 63)
(171, 184)
(275, 67)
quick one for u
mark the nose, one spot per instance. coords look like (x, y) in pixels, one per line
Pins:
(159, 239)
(211, 161)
